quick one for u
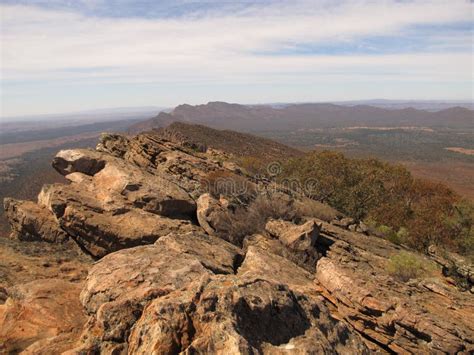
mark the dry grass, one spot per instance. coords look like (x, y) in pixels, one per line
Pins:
(316, 209)
(242, 222)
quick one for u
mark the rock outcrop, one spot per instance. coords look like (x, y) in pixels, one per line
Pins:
(41, 317)
(168, 280)
(30, 221)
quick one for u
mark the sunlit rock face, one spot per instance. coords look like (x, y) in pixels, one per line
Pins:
(168, 279)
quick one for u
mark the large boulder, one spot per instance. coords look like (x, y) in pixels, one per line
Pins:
(122, 283)
(215, 254)
(103, 233)
(115, 179)
(299, 241)
(112, 204)
(84, 161)
(251, 312)
(30, 221)
(306, 259)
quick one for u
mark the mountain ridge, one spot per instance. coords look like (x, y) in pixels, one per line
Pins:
(299, 116)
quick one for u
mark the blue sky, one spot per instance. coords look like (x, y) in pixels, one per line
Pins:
(60, 56)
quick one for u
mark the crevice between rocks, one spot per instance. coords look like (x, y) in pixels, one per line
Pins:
(238, 261)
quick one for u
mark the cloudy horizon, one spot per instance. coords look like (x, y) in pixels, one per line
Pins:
(62, 56)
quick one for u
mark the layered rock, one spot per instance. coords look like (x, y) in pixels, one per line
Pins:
(293, 236)
(121, 284)
(211, 213)
(30, 221)
(191, 295)
(168, 280)
(424, 316)
(159, 156)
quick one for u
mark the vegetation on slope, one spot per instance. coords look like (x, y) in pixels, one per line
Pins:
(404, 209)
(236, 143)
(420, 212)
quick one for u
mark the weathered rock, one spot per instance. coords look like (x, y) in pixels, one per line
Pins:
(122, 283)
(211, 213)
(41, 317)
(296, 237)
(213, 253)
(100, 233)
(119, 181)
(251, 312)
(29, 221)
(83, 161)
(304, 259)
(117, 206)
(296, 288)
(394, 317)
(160, 156)
(263, 264)
(114, 144)
(343, 222)
(165, 326)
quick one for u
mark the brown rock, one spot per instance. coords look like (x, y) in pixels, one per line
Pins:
(84, 161)
(211, 213)
(295, 237)
(239, 314)
(122, 283)
(261, 264)
(213, 253)
(32, 222)
(419, 317)
(103, 233)
(114, 144)
(304, 259)
(41, 317)
(116, 180)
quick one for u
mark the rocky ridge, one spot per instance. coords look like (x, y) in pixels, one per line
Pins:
(167, 280)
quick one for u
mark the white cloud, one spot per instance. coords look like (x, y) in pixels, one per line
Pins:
(55, 46)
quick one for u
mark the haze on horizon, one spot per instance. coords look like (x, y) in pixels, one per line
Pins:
(63, 56)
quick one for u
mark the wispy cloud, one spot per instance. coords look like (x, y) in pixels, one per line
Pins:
(261, 43)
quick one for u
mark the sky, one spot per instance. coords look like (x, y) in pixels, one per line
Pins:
(72, 55)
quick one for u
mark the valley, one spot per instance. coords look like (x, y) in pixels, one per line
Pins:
(433, 141)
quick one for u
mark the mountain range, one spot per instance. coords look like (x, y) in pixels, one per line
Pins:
(224, 115)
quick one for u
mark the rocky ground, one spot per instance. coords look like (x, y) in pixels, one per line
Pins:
(133, 256)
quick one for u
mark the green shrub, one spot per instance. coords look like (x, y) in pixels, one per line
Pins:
(405, 266)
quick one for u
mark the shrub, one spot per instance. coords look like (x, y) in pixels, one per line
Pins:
(253, 165)
(404, 209)
(405, 266)
(388, 233)
(241, 221)
(316, 209)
